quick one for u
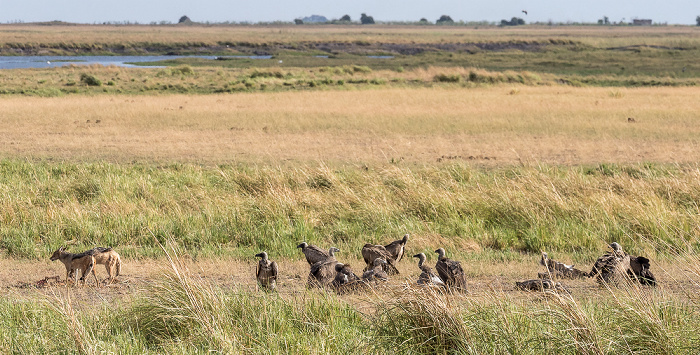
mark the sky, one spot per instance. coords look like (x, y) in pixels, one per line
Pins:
(149, 11)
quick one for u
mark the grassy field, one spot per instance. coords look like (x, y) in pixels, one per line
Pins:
(190, 170)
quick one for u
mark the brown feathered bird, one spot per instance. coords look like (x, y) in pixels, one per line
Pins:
(345, 279)
(559, 270)
(376, 273)
(322, 273)
(450, 271)
(639, 270)
(539, 285)
(427, 276)
(372, 252)
(612, 267)
(266, 272)
(396, 248)
(313, 253)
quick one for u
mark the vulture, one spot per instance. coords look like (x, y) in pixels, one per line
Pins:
(560, 270)
(372, 252)
(450, 271)
(396, 248)
(612, 267)
(323, 272)
(376, 272)
(539, 285)
(313, 253)
(266, 272)
(427, 276)
(639, 270)
(345, 279)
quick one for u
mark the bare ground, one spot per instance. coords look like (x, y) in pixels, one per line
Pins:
(22, 279)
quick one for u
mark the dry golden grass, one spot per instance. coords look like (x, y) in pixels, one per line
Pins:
(498, 125)
(210, 35)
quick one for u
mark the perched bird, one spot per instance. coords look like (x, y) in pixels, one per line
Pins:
(313, 253)
(322, 273)
(396, 248)
(372, 252)
(376, 273)
(266, 272)
(612, 266)
(560, 270)
(427, 276)
(539, 285)
(450, 271)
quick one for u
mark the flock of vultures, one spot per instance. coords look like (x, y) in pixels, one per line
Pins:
(614, 267)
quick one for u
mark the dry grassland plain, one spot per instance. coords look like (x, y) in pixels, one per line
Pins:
(493, 126)
(495, 172)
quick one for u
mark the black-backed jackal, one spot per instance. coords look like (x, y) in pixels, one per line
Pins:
(109, 258)
(83, 262)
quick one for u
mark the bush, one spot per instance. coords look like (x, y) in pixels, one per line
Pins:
(90, 80)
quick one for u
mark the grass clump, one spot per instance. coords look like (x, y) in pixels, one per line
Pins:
(90, 80)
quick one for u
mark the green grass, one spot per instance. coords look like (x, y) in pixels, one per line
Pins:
(179, 313)
(236, 210)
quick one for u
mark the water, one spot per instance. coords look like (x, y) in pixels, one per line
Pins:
(21, 62)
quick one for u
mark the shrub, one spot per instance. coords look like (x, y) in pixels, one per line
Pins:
(90, 80)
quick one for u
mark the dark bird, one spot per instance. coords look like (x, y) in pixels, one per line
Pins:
(639, 270)
(612, 267)
(539, 285)
(559, 270)
(525, 12)
(372, 252)
(266, 272)
(322, 272)
(427, 276)
(396, 248)
(376, 273)
(313, 253)
(450, 271)
(346, 280)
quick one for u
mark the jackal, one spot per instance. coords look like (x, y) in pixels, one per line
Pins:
(83, 262)
(107, 257)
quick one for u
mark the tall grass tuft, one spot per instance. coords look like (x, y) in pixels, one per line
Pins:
(421, 321)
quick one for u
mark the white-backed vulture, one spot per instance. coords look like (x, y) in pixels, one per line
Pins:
(322, 273)
(313, 253)
(396, 248)
(266, 272)
(450, 271)
(427, 276)
(559, 270)
(376, 273)
(612, 267)
(345, 279)
(539, 285)
(372, 252)
(639, 270)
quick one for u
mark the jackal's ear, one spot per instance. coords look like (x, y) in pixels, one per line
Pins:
(61, 248)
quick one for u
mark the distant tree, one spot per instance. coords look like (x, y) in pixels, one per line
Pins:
(515, 21)
(184, 19)
(444, 20)
(345, 18)
(423, 21)
(697, 20)
(606, 20)
(366, 20)
(298, 21)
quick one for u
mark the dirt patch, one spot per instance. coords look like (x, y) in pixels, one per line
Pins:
(39, 280)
